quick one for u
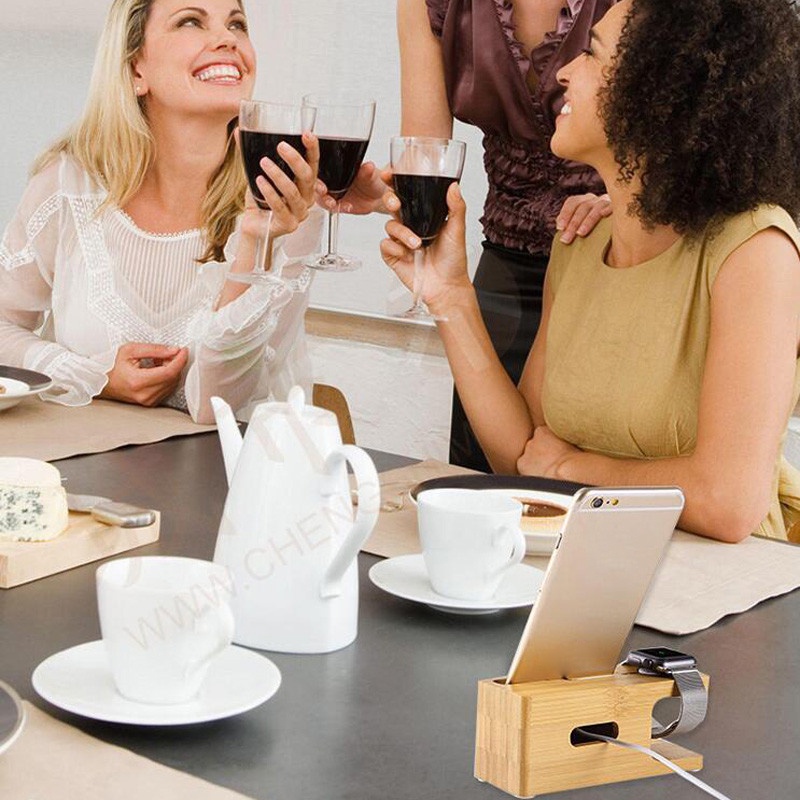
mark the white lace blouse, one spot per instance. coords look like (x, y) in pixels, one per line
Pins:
(76, 284)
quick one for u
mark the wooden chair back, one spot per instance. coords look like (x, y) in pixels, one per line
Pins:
(332, 399)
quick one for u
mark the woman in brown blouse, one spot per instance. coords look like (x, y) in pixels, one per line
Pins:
(493, 64)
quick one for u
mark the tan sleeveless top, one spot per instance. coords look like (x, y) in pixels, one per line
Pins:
(626, 348)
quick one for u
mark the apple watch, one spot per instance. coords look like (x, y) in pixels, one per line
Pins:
(682, 668)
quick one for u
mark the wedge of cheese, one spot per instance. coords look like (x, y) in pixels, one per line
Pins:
(33, 503)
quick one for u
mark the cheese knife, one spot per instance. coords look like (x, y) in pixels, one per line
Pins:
(124, 515)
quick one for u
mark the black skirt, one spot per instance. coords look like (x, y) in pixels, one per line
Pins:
(510, 286)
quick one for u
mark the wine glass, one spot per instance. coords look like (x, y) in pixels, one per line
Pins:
(423, 168)
(262, 127)
(343, 124)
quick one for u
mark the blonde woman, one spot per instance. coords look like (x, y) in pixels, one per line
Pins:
(112, 272)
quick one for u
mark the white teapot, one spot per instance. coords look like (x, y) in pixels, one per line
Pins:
(288, 534)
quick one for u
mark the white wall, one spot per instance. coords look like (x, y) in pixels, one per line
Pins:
(399, 401)
(44, 75)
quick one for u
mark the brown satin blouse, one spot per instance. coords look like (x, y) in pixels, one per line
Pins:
(486, 72)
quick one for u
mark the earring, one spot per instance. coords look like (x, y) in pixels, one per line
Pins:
(138, 89)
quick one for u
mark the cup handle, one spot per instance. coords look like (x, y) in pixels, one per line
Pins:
(517, 549)
(218, 623)
(369, 501)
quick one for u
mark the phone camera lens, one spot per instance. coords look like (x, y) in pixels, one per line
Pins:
(597, 502)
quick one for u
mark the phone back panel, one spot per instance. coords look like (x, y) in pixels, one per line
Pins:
(595, 582)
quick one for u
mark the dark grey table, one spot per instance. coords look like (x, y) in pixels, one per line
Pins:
(393, 715)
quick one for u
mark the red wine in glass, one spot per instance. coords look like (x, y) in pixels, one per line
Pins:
(423, 168)
(343, 124)
(339, 162)
(262, 127)
(423, 201)
(257, 145)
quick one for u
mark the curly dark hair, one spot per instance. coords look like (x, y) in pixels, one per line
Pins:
(703, 104)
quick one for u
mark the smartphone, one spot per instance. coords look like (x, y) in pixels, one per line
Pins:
(607, 554)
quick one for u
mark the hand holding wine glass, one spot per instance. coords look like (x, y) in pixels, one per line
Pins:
(424, 169)
(343, 123)
(446, 271)
(366, 194)
(281, 160)
(288, 200)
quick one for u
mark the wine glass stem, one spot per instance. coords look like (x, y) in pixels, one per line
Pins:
(419, 277)
(263, 252)
(333, 230)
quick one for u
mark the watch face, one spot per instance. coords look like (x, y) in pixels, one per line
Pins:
(662, 658)
(662, 652)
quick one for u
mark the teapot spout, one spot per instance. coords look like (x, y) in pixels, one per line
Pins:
(230, 437)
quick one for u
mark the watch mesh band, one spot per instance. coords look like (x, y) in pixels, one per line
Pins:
(694, 702)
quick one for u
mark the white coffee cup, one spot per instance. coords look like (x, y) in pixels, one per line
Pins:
(470, 539)
(163, 620)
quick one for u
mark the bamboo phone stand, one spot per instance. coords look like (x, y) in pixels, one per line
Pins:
(526, 742)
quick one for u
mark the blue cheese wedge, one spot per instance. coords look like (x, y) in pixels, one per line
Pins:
(33, 503)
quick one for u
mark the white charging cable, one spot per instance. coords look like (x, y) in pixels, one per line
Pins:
(661, 760)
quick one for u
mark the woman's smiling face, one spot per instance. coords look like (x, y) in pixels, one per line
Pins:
(579, 134)
(196, 58)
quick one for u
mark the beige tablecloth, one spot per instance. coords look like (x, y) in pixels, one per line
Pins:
(54, 761)
(699, 582)
(48, 431)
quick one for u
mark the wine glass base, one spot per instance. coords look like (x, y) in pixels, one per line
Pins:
(256, 278)
(333, 262)
(418, 313)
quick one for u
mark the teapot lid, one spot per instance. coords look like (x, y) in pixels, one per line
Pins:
(296, 407)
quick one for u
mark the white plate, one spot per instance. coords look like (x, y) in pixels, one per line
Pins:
(20, 383)
(14, 392)
(540, 543)
(406, 577)
(37, 381)
(79, 680)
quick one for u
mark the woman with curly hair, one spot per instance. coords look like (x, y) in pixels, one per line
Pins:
(668, 350)
(112, 271)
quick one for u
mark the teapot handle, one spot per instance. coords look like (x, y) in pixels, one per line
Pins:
(369, 501)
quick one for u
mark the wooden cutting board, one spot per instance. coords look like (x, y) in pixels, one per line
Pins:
(85, 540)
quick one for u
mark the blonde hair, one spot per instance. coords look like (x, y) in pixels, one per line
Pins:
(112, 139)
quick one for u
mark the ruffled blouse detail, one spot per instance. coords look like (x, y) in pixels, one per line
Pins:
(505, 16)
(436, 14)
(486, 75)
(523, 200)
(542, 54)
(77, 281)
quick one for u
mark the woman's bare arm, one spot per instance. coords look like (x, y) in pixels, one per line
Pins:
(497, 411)
(425, 110)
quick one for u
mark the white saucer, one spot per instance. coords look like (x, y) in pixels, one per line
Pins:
(406, 577)
(79, 680)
